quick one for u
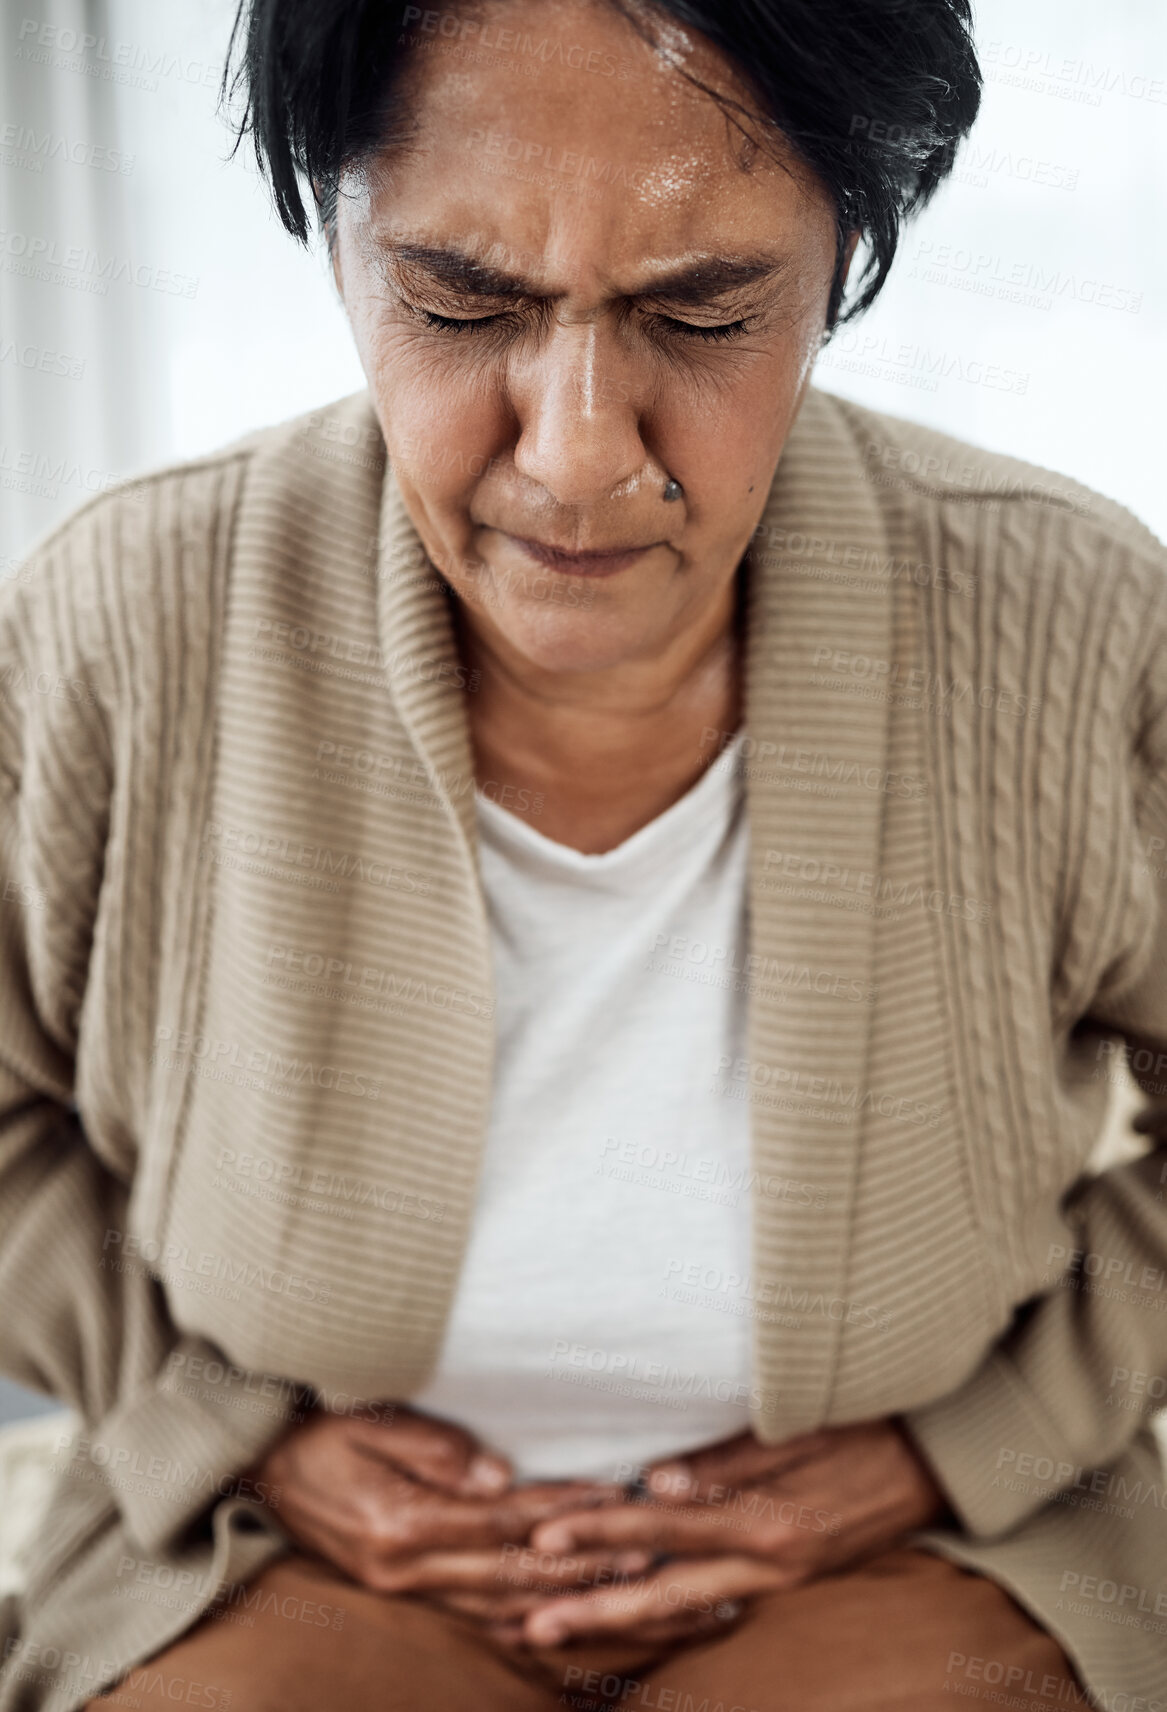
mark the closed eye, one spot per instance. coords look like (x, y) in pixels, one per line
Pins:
(667, 324)
(689, 329)
(456, 323)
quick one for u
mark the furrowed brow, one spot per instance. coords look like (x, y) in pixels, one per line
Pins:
(460, 271)
(713, 277)
(691, 286)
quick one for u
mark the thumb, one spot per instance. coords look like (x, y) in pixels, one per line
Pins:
(436, 1452)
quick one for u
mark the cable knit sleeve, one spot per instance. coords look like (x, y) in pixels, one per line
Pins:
(73, 1325)
(1084, 1367)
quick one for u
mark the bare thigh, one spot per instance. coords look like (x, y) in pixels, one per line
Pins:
(302, 1638)
(908, 1632)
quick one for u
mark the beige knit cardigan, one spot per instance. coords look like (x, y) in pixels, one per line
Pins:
(246, 1016)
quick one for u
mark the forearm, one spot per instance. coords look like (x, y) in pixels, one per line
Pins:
(1056, 1397)
(170, 1423)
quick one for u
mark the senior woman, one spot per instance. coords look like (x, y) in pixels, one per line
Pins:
(568, 924)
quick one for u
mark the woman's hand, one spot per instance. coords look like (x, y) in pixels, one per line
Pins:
(737, 1519)
(413, 1504)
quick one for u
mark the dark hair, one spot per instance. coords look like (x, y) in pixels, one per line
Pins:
(874, 95)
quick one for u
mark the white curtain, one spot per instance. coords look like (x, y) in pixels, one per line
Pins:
(74, 342)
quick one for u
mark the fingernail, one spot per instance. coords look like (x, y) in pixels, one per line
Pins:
(487, 1474)
(558, 1541)
(632, 1562)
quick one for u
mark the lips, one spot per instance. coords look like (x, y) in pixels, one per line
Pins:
(597, 562)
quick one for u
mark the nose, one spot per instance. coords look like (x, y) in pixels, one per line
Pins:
(580, 422)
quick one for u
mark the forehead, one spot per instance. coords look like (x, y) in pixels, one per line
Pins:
(553, 137)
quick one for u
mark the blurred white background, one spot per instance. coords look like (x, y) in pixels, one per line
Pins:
(151, 307)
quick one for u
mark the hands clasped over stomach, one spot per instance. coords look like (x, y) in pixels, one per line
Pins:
(413, 1505)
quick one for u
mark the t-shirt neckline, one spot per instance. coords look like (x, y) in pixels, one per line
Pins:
(511, 830)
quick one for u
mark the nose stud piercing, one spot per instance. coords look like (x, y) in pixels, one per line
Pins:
(673, 489)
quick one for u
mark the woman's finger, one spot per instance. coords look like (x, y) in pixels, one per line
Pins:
(396, 1519)
(494, 1573)
(436, 1451)
(509, 1630)
(688, 1588)
(697, 1477)
(753, 1522)
(452, 1523)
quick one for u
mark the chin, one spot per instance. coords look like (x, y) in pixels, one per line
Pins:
(573, 639)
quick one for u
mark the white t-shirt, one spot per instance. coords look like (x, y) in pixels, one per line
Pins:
(600, 1317)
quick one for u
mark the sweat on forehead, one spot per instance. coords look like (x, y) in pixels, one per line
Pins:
(525, 173)
(523, 63)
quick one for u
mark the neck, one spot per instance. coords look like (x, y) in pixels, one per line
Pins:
(602, 753)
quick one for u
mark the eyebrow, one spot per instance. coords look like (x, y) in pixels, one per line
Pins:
(691, 284)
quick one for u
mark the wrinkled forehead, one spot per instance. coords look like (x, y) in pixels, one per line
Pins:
(549, 133)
